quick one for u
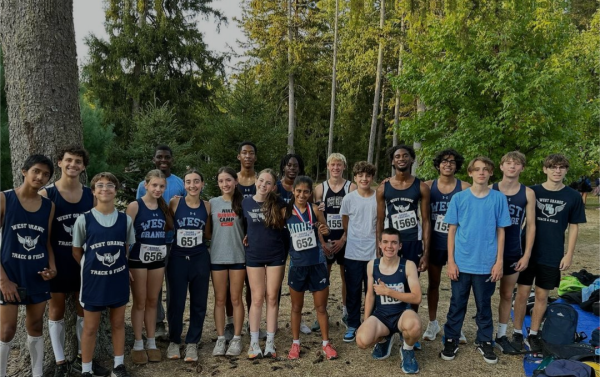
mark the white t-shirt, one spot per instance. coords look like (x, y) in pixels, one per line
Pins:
(362, 226)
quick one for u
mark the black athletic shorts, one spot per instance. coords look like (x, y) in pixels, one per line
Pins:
(227, 266)
(509, 264)
(308, 278)
(390, 321)
(412, 250)
(338, 257)
(438, 257)
(137, 264)
(545, 277)
(29, 299)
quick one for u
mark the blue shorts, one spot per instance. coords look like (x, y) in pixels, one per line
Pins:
(412, 250)
(308, 278)
(228, 266)
(30, 299)
(272, 263)
(438, 257)
(93, 308)
(338, 257)
(389, 321)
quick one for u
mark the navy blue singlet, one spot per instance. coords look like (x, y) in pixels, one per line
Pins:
(188, 223)
(305, 248)
(149, 228)
(24, 239)
(264, 244)
(333, 204)
(247, 190)
(402, 210)
(283, 193)
(439, 205)
(397, 281)
(512, 234)
(105, 275)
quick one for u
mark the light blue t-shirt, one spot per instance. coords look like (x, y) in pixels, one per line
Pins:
(476, 243)
(174, 187)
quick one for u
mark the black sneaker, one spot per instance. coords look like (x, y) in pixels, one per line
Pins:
(487, 350)
(62, 370)
(450, 350)
(76, 364)
(534, 342)
(517, 342)
(99, 371)
(505, 346)
(120, 371)
(86, 374)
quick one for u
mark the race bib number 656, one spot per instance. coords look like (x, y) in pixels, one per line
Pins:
(152, 253)
(189, 237)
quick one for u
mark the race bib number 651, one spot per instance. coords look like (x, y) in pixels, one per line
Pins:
(189, 237)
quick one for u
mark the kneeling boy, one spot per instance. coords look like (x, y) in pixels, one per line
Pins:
(395, 287)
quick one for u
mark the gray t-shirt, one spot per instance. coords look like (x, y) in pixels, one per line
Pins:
(104, 220)
(362, 226)
(227, 234)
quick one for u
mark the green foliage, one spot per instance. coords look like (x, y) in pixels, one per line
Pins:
(498, 77)
(244, 115)
(98, 139)
(154, 53)
(153, 125)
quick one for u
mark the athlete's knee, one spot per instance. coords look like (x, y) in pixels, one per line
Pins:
(56, 312)
(541, 295)
(321, 309)
(151, 302)
(117, 323)
(297, 307)
(272, 300)
(35, 326)
(236, 301)
(7, 333)
(220, 300)
(363, 339)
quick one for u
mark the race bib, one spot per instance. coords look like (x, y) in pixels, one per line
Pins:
(440, 226)
(387, 300)
(334, 222)
(152, 253)
(189, 237)
(404, 220)
(304, 240)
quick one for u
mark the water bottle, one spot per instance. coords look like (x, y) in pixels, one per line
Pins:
(329, 246)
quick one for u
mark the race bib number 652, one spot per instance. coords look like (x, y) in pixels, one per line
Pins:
(304, 240)
(189, 237)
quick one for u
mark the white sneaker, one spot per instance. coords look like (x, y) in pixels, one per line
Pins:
(235, 348)
(254, 351)
(270, 349)
(219, 349)
(462, 339)
(173, 351)
(433, 328)
(191, 353)
(304, 329)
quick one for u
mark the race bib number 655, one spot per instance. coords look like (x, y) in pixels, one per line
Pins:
(334, 221)
(189, 237)
(440, 226)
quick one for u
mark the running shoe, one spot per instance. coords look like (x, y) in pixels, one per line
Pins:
(191, 353)
(450, 350)
(235, 347)
(487, 350)
(517, 342)
(97, 369)
(504, 345)
(120, 371)
(350, 335)
(229, 329)
(433, 328)
(534, 342)
(330, 352)
(254, 351)
(270, 349)
(417, 346)
(345, 320)
(62, 370)
(173, 351)
(409, 362)
(383, 349)
(462, 339)
(219, 349)
(315, 326)
(294, 352)
(304, 329)
(161, 330)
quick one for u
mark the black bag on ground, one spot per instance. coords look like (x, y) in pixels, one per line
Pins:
(566, 368)
(559, 335)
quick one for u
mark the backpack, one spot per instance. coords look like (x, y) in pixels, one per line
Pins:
(566, 368)
(559, 336)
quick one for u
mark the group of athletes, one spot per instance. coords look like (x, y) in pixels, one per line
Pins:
(66, 238)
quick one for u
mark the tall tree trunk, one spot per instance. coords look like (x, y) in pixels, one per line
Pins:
(291, 93)
(333, 82)
(42, 93)
(397, 105)
(416, 144)
(142, 11)
(377, 84)
(381, 126)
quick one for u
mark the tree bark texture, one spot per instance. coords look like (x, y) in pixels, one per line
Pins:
(42, 93)
(42, 88)
(333, 83)
(377, 86)
(291, 92)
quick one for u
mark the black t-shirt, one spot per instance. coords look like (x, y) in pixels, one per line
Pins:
(554, 211)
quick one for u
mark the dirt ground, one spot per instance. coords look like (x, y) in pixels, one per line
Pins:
(353, 361)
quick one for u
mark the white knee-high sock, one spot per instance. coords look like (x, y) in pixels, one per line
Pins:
(78, 331)
(36, 351)
(4, 350)
(57, 337)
